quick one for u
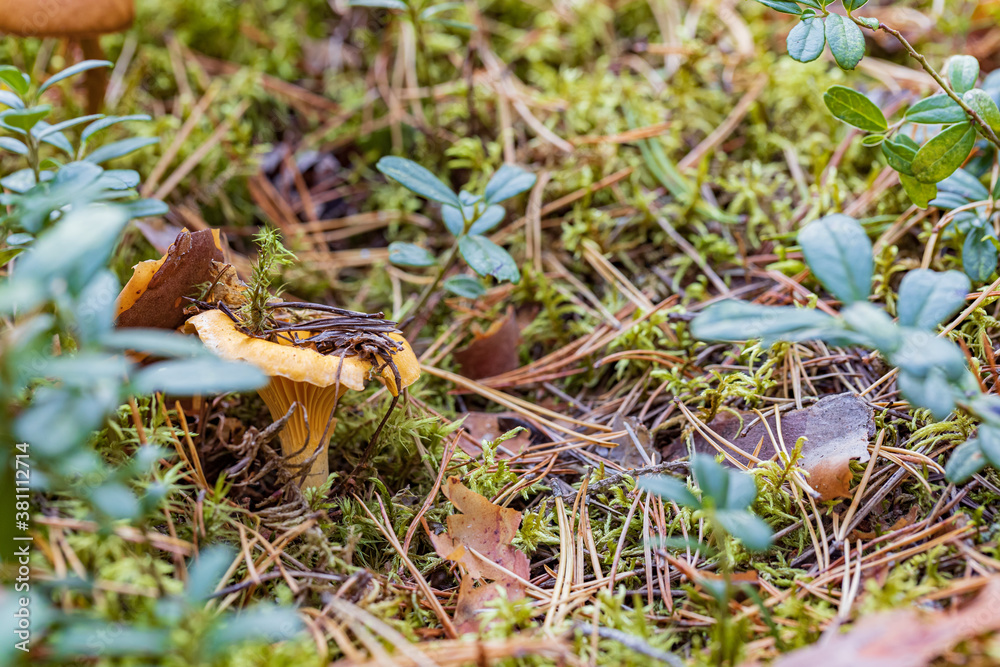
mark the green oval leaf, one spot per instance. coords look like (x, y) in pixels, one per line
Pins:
(748, 528)
(847, 43)
(839, 254)
(854, 109)
(965, 461)
(186, 377)
(965, 185)
(13, 145)
(979, 255)
(926, 392)
(919, 193)
(119, 149)
(934, 110)
(927, 298)
(733, 320)
(508, 182)
(981, 102)
(806, 40)
(899, 156)
(66, 124)
(989, 444)
(409, 254)
(73, 70)
(667, 487)
(14, 78)
(941, 156)
(379, 4)
(465, 286)
(107, 122)
(962, 72)
(413, 177)
(783, 6)
(488, 259)
(25, 119)
(7, 98)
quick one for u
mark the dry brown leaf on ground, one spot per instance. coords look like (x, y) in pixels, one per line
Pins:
(485, 527)
(493, 351)
(154, 297)
(462, 652)
(472, 599)
(903, 638)
(837, 429)
(488, 529)
(480, 426)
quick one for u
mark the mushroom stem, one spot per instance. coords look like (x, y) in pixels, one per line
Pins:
(309, 427)
(97, 78)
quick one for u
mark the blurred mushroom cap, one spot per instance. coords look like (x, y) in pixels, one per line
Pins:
(65, 18)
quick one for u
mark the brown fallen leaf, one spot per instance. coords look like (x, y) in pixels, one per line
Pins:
(472, 599)
(493, 351)
(487, 529)
(480, 426)
(837, 429)
(153, 297)
(902, 638)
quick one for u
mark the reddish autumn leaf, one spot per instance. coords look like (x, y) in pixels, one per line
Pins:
(903, 638)
(485, 527)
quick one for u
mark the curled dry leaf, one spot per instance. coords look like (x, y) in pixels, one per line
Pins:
(154, 296)
(903, 638)
(837, 429)
(488, 530)
(493, 351)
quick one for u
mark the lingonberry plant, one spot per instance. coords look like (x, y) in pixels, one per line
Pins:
(928, 160)
(468, 217)
(931, 369)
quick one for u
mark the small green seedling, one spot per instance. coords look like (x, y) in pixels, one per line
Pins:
(726, 497)
(468, 217)
(59, 172)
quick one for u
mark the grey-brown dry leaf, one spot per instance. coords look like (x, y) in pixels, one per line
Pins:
(902, 638)
(837, 429)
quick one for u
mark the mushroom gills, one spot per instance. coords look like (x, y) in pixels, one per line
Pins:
(303, 434)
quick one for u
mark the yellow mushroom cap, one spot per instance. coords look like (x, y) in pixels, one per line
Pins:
(65, 18)
(219, 334)
(303, 376)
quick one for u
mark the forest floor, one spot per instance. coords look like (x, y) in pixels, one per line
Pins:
(677, 151)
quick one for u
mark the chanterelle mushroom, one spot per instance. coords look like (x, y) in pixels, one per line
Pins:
(302, 375)
(83, 20)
